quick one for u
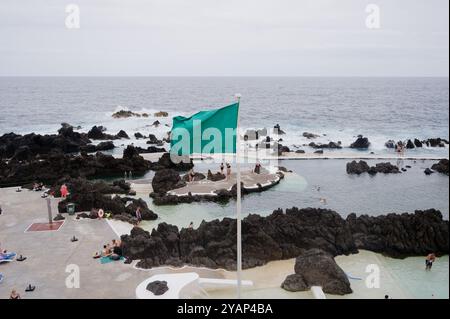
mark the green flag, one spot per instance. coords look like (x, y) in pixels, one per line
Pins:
(206, 132)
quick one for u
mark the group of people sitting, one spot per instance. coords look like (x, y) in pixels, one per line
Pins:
(37, 187)
(113, 250)
(228, 166)
(191, 173)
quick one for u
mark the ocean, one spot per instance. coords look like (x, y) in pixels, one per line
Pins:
(338, 109)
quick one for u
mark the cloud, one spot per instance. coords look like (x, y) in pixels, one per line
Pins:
(213, 37)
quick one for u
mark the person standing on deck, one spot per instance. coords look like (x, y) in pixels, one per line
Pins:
(64, 191)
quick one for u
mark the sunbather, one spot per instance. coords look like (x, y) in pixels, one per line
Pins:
(106, 251)
(14, 295)
(117, 247)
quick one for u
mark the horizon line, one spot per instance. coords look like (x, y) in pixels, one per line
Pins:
(224, 76)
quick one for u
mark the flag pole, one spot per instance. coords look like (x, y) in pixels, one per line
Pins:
(238, 204)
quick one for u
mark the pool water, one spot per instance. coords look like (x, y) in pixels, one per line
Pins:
(364, 194)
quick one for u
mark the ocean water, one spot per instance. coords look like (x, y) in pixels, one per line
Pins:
(313, 180)
(338, 109)
(341, 108)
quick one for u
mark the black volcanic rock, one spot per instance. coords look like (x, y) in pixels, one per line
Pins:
(360, 167)
(181, 163)
(166, 180)
(310, 135)
(153, 140)
(386, 168)
(442, 166)
(52, 167)
(361, 143)
(105, 146)
(197, 177)
(401, 235)
(288, 235)
(98, 133)
(331, 145)
(158, 288)
(278, 236)
(316, 267)
(294, 283)
(281, 149)
(390, 144)
(216, 176)
(150, 149)
(87, 196)
(122, 134)
(23, 147)
(417, 143)
(410, 144)
(436, 142)
(125, 114)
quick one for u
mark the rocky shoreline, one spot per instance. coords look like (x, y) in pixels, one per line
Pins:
(263, 140)
(360, 167)
(289, 234)
(52, 167)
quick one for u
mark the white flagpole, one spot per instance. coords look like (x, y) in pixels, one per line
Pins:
(238, 204)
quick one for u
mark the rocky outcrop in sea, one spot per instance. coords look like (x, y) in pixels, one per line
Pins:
(361, 167)
(442, 166)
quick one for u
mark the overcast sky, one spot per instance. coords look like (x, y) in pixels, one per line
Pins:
(225, 37)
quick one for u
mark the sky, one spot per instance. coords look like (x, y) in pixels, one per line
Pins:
(224, 38)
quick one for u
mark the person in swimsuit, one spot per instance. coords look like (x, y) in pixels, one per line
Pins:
(106, 251)
(228, 171)
(221, 168)
(429, 261)
(14, 295)
(191, 175)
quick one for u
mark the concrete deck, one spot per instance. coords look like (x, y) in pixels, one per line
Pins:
(49, 253)
(207, 187)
